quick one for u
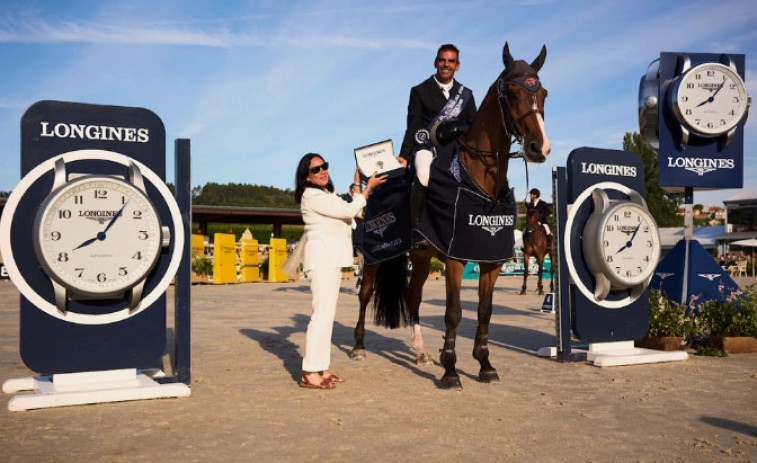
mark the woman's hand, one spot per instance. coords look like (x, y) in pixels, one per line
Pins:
(402, 161)
(373, 182)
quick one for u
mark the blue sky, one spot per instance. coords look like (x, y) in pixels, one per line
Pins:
(256, 84)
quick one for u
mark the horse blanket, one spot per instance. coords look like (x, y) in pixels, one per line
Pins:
(386, 231)
(460, 219)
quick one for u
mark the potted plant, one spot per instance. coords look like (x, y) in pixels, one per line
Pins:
(732, 323)
(202, 267)
(670, 324)
(348, 272)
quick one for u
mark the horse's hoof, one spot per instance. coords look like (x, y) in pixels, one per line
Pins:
(540, 293)
(488, 376)
(423, 359)
(522, 292)
(357, 354)
(451, 383)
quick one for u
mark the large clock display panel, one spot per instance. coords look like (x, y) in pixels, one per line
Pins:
(98, 236)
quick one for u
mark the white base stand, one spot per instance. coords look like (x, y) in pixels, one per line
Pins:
(90, 387)
(612, 354)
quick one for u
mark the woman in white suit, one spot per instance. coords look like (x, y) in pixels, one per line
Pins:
(327, 247)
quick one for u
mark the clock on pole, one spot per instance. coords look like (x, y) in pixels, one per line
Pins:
(692, 110)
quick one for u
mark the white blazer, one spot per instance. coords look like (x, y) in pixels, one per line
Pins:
(328, 226)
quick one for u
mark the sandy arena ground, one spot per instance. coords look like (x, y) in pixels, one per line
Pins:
(246, 406)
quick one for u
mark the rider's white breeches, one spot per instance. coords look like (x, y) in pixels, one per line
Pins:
(423, 160)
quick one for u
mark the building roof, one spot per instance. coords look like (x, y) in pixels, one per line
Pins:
(743, 196)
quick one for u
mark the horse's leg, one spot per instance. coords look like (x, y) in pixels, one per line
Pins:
(486, 281)
(452, 317)
(421, 264)
(526, 258)
(364, 296)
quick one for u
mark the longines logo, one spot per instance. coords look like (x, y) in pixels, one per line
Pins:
(100, 216)
(94, 132)
(491, 223)
(709, 276)
(701, 166)
(608, 169)
(380, 223)
(663, 275)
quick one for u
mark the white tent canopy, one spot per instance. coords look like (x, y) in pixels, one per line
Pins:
(751, 243)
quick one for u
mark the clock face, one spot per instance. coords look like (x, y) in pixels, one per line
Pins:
(710, 99)
(629, 244)
(97, 236)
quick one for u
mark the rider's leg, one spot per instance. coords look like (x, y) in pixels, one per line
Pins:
(549, 235)
(422, 162)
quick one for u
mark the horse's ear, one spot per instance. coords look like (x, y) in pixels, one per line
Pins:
(539, 61)
(507, 58)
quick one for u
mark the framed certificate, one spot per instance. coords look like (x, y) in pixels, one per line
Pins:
(378, 157)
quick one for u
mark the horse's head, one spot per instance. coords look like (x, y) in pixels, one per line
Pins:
(532, 217)
(521, 98)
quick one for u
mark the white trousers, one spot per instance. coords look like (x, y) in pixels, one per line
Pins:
(324, 286)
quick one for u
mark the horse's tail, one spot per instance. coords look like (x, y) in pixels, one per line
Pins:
(389, 301)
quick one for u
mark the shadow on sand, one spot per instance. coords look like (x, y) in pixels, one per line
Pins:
(517, 339)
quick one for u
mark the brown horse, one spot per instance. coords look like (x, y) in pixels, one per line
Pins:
(536, 244)
(513, 108)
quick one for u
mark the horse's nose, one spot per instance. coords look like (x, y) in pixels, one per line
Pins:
(538, 153)
(544, 149)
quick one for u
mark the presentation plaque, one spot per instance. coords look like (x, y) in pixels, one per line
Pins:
(379, 158)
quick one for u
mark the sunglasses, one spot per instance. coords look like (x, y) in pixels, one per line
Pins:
(316, 169)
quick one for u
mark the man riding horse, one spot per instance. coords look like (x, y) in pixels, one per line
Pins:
(435, 116)
(544, 209)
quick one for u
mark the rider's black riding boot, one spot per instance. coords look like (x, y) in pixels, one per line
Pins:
(417, 203)
(549, 241)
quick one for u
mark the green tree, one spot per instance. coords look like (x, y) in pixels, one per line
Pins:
(663, 206)
(242, 194)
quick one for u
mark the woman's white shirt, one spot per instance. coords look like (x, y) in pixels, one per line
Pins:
(328, 220)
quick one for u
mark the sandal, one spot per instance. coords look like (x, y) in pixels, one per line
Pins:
(332, 378)
(322, 385)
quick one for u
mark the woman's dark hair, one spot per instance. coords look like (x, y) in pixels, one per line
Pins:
(301, 177)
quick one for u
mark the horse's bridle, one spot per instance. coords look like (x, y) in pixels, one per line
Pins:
(528, 81)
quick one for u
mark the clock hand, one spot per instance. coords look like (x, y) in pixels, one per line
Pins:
(712, 97)
(88, 242)
(629, 243)
(101, 235)
(717, 90)
(115, 217)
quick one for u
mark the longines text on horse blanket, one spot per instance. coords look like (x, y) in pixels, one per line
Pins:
(387, 229)
(460, 219)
